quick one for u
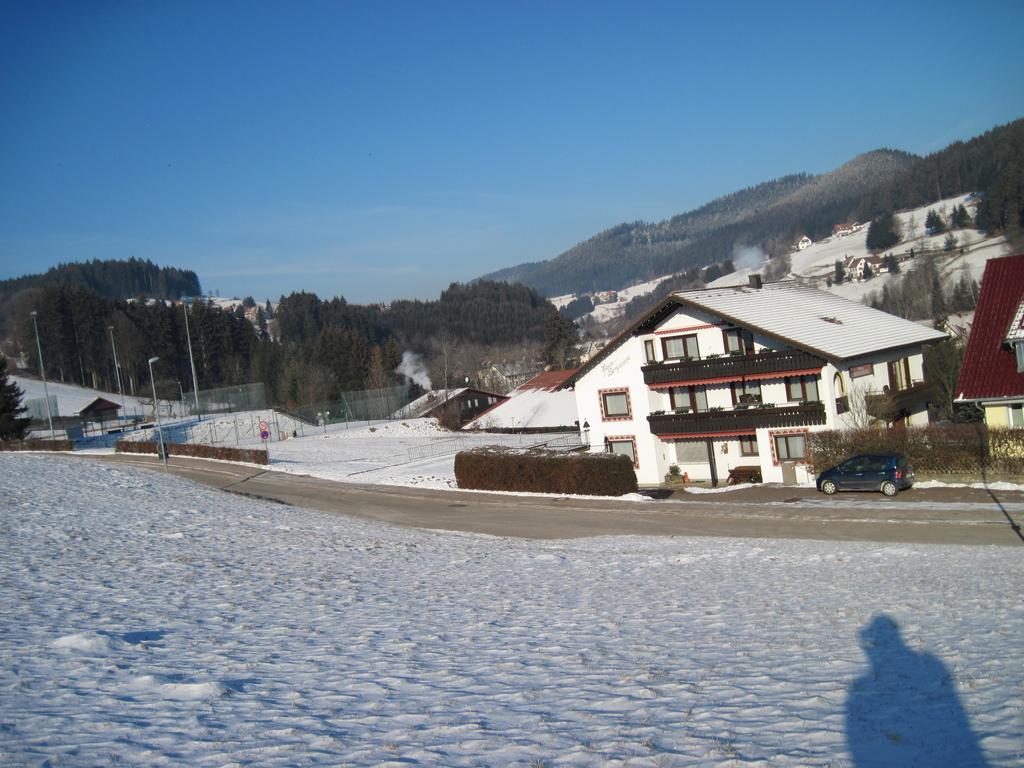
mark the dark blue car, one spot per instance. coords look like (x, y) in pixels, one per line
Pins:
(885, 472)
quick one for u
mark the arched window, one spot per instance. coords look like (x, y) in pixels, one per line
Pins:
(839, 387)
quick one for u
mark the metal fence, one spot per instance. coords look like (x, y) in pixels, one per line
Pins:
(244, 428)
(35, 408)
(233, 399)
(358, 405)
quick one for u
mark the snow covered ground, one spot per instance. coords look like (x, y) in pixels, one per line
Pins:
(150, 621)
(412, 452)
(72, 398)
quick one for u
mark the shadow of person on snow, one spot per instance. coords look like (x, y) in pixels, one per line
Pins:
(904, 711)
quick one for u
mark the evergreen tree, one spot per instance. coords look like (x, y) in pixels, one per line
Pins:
(883, 232)
(13, 425)
(560, 337)
(961, 219)
(934, 223)
(840, 273)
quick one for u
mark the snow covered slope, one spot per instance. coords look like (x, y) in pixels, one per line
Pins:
(817, 262)
(150, 621)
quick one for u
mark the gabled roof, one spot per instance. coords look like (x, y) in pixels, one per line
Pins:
(548, 380)
(990, 367)
(96, 405)
(534, 405)
(805, 318)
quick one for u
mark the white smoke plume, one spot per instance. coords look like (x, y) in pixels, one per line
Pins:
(412, 367)
(748, 257)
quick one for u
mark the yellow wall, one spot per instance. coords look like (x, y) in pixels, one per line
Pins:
(997, 416)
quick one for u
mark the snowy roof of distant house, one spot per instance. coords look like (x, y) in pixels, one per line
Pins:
(537, 404)
(990, 368)
(807, 318)
(427, 402)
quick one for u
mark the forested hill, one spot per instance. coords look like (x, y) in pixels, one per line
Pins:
(111, 279)
(107, 279)
(776, 214)
(483, 312)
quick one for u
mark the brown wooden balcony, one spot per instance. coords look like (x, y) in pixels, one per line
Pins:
(740, 420)
(731, 367)
(890, 405)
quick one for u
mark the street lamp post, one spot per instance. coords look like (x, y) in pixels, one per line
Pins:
(42, 372)
(117, 370)
(156, 411)
(195, 381)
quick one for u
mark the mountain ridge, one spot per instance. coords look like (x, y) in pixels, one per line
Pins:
(629, 252)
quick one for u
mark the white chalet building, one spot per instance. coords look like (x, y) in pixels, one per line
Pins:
(724, 378)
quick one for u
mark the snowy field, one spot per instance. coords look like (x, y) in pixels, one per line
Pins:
(72, 398)
(411, 452)
(150, 621)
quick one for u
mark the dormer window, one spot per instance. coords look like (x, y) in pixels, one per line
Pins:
(1019, 348)
(738, 341)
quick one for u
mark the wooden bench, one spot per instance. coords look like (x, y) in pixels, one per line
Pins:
(746, 474)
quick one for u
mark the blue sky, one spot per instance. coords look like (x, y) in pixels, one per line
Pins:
(382, 150)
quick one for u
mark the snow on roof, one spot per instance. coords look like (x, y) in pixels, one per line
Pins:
(533, 405)
(811, 319)
(990, 368)
(427, 402)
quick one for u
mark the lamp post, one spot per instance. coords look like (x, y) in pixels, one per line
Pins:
(156, 411)
(117, 369)
(195, 381)
(42, 372)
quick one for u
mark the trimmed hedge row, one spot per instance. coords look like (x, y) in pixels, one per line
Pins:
(36, 445)
(250, 455)
(504, 469)
(962, 448)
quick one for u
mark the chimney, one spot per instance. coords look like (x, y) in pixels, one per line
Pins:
(755, 281)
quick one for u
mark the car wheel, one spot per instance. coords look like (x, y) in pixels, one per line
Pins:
(889, 488)
(829, 487)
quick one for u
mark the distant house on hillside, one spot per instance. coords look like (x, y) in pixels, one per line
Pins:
(992, 376)
(605, 297)
(725, 379)
(855, 266)
(803, 243)
(842, 230)
(536, 406)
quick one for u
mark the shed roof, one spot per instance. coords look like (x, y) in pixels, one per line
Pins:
(990, 367)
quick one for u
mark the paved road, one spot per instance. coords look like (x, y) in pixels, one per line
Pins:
(936, 516)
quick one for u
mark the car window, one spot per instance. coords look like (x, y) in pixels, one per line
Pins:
(876, 464)
(856, 464)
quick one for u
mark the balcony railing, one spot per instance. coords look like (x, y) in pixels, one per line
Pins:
(731, 367)
(738, 420)
(886, 406)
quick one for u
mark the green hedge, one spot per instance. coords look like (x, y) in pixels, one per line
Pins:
(249, 455)
(36, 445)
(503, 469)
(961, 448)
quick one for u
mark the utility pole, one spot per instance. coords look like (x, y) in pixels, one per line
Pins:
(42, 372)
(195, 380)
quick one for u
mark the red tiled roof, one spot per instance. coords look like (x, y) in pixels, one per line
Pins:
(549, 380)
(990, 367)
